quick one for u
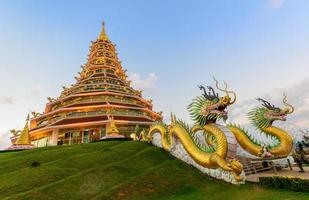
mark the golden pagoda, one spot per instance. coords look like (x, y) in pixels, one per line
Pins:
(81, 113)
(23, 140)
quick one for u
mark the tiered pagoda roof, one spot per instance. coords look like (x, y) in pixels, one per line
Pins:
(101, 91)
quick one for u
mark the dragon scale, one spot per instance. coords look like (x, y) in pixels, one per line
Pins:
(282, 149)
(215, 159)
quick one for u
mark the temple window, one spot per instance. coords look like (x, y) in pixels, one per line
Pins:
(98, 70)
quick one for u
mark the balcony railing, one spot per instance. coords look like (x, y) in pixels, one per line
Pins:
(110, 99)
(127, 113)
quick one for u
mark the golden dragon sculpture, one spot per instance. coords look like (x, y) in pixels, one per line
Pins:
(205, 110)
(262, 118)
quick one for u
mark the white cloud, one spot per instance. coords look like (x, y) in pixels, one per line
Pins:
(298, 96)
(275, 3)
(143, 84)
(238, 112)
(5, 140)
(6, 100)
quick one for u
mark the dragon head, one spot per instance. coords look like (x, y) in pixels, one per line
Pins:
(210, 106)
(264, 116)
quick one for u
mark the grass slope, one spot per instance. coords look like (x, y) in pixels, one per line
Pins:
(115, 170)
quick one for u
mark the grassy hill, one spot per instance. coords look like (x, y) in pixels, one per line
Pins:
(115, 170)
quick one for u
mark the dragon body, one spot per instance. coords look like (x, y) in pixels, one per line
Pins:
(211, 152)
(282, 145)
(206, 157)
(262, 118)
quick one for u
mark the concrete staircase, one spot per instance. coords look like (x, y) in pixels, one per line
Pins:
(252, 168)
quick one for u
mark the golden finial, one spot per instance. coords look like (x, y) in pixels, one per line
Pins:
(103, 35)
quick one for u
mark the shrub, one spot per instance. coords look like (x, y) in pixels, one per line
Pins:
(285, 182)
(35, 164)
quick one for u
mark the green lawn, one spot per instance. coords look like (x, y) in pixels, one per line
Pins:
(115, 170)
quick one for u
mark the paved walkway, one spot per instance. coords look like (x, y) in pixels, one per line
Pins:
(283, 172)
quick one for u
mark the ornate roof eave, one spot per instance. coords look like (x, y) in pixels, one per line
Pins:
(98, 93)
(95, 66)
(92, 78)
(81, 83)
(105, 83)
(85, 124)
(107, 106)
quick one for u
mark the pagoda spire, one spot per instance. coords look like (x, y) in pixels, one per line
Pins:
(103, 35)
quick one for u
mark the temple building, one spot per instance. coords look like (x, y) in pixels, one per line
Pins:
(101, 104)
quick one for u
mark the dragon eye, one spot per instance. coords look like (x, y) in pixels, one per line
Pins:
(225, 100)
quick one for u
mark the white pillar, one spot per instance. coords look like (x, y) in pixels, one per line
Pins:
(82, 133)
(54, 138)
(70, 138)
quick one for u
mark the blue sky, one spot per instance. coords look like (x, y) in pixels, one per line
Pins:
(260, 47)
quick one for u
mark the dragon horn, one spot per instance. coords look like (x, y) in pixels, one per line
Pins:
(225, 90)
(217, 85)
(290, 107)
(234, 94)
(212, 90)
(204, 90)
(266, 104)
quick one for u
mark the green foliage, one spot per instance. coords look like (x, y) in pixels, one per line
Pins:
(288, 183)
(35, 164)
(109, 170)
